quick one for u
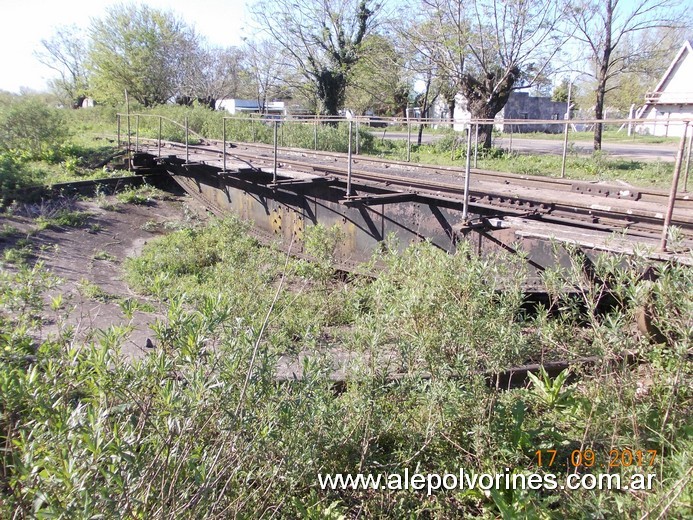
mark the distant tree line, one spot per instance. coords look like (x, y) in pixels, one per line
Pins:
(366, 55)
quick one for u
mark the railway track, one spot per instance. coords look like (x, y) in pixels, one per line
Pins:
(596, 206)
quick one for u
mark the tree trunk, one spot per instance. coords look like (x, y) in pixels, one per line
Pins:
(77, 103)
(486, 98)
(207, 101)
(425, 104)
(598, 114)
(602, 72)
(485, 136)
(331, 88)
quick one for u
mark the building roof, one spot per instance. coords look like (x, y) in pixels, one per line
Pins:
(686, 47)
(660, 95)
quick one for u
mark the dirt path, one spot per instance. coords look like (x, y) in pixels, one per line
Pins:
(89, 258)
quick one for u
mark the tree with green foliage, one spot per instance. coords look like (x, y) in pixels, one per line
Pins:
(139, 49)
(323, 38)
(30, 128)
(376, 79)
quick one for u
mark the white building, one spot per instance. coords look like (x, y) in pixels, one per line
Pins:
(250, 106)
(672, 98)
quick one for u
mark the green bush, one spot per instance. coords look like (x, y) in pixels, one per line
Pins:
(31, 128)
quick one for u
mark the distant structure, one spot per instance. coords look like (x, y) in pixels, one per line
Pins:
(672, 98)
(520, 106)
(250, 106)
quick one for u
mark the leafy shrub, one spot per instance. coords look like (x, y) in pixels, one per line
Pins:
(32, 128)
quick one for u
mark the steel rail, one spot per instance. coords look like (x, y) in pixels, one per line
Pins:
(579, 215)
(553, 183)
(581, 212)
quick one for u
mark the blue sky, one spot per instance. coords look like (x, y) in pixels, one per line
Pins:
(25, 22)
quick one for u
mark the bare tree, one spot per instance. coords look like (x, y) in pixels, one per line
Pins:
(420, 44)
(264, 63)
(608, 29)
(65, 52)
(209, 74)
(323, 38)
(489, 48)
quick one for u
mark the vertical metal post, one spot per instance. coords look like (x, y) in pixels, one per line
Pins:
(348, 190)
(223, 132)
(565, 130)
(357, 137)
(465, 207)
(129, 137)
(274, 168)
(511, 138)
(127, 107)
(282, 133)
(688, 163)
(315, 133)
(118, 126)
(161, 120)
(408, 139)
(674, 185)
(187, 148)
(137, 134)
(476, 143)
(252, 123)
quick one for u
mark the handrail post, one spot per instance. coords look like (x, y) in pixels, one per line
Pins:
(118, 127)
(348, 191)
(465, 207)
(187, 148)
(688, 163)
(224, 139)
(315, 134)
(565, 149)
(137, 134)
(357, 136)
(161, 121)
(674, 185)
(476, 144)
(274, 168)
(565, 131)
(129, 145)
(408, 139)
